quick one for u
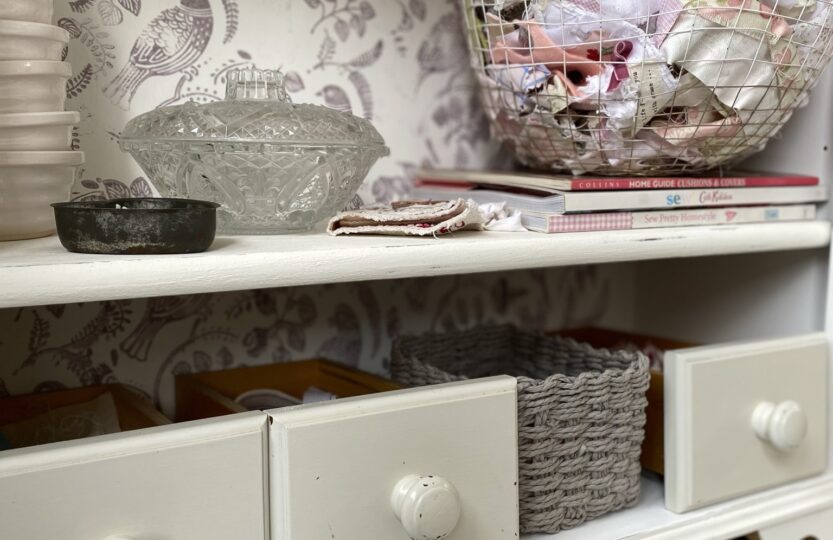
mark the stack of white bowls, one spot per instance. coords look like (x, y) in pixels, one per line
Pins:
(37, 167)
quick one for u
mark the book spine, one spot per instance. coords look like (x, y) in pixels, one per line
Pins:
(689, 198)
(615, 221)
(612, 184)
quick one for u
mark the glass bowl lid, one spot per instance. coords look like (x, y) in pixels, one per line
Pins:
(258, 110)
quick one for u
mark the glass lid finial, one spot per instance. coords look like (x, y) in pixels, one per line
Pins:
(256, 84)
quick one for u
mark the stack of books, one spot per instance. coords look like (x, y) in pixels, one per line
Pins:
(558, 204)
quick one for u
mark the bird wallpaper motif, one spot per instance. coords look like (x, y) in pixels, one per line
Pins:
(144, 343)
(130, 56)
(401, 64)
(171, 43)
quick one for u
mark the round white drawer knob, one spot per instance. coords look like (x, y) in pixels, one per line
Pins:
(784, 425)
(427, 506)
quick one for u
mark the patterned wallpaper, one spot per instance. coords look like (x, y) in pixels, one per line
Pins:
(143, 343)
(400, 63)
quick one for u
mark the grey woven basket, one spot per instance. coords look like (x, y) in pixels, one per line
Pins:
(581, 414)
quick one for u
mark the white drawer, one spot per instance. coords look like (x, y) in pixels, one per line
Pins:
(743, 417)
(200, 480)
(818, 525)
(445, 457)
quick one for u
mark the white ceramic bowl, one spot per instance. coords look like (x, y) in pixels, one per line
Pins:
(39, 11)
(37, 131)
(38, 86)
(29, 183)
(31, 41)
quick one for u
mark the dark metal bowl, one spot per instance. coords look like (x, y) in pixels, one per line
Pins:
(149, 226)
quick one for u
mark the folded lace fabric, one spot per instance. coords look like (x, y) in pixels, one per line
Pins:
(409, 218)
(427, 218)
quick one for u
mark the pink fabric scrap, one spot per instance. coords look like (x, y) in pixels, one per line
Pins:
(543, 50)
(698, 130)
(780, 27)
(621, 53)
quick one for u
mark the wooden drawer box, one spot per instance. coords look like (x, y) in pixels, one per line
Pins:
(653, 454)
(734, 418)
(133, 411)
(203, 395)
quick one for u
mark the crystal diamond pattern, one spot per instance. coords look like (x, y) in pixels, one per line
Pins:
(274, 166)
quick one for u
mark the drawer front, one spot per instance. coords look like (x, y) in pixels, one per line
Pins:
(743, 417)
(817, 526)
(438, 462)
(202, 480)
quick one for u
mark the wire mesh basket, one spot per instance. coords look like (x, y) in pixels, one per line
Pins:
(644, 87)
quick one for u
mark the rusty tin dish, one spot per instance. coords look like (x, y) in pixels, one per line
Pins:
(146, 226)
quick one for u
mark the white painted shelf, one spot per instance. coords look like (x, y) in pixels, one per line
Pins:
(745, 515)
(36, 272)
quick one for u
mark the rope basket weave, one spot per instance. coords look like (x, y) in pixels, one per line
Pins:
(644, 87)
(581, 414)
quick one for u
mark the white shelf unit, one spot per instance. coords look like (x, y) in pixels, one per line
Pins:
(772, 297)
(35, 272)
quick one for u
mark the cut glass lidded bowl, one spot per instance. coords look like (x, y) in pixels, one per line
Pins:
(274, 166)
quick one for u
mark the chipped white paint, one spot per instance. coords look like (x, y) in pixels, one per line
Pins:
(36, 272)
(335, 465)
(428, 506)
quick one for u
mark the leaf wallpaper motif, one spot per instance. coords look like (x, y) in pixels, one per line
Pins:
(400, 63)
(130, 56)
(144, 342)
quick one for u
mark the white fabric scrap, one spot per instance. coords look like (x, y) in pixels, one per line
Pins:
(791, 8)
(520, 80)
(579, 21)
(743, 80)
(811, 37)
(499, 217)
(569, 26)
